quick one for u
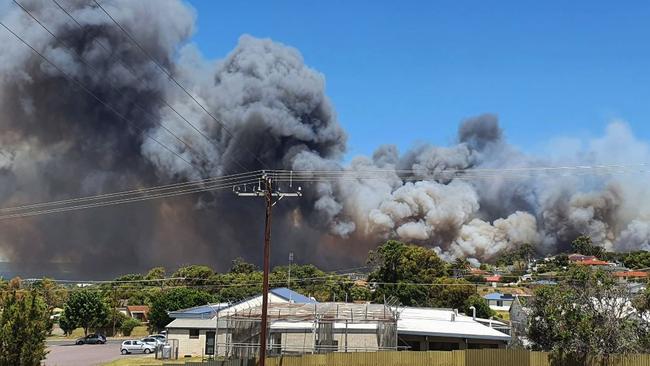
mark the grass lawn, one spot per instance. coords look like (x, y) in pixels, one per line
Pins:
(504, 315)
(138, 332)
(77, 333)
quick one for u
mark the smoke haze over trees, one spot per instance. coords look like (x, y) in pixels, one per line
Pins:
(58, 142)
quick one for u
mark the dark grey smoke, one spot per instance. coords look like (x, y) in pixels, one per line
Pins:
(477, 132)
(57, 142)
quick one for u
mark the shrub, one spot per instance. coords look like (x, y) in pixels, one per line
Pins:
(128, 325)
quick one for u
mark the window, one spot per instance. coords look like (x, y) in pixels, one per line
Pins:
(499, 303)
(135, 343)
(209, 343)
(194, 333)
(127, 343)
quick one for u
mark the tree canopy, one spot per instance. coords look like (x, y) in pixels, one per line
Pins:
(23, 328)
(399, 268)
(86, 309)
(589, 314)
(174, 299)
(583, 245)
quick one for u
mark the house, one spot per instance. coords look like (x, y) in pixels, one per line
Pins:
(493, 280)
(140, 312)
(303, 325)
(428, 329)
(624, 276)
(498, 301)
(195, 328)
(594, 262)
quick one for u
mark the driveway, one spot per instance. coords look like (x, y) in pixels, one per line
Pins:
(66, 353)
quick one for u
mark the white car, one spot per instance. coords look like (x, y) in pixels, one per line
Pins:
(152, 341)
(133, 346)
(160, 337)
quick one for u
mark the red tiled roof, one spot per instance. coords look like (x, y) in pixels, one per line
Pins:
(593, 262)
(138, 308)
(493, 278)
(631, 274)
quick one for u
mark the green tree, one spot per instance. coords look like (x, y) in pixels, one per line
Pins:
(23, 328)
(86, 309)
(174, 299)
(241, 266)
(194, 275)
(585, 246)
(482, 308)
(155, 273)
(66, 325)
(587, 315)
(128, 325)
(53, 294)
(399, 268)
(360, 293)
(450, 293)
(636, 260)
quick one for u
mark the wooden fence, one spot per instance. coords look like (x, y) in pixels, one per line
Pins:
(485, 357)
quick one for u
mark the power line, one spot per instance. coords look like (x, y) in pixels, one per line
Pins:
(171, 77)
(125, 200)
(234, 178)
(84, 88)
(76, 53)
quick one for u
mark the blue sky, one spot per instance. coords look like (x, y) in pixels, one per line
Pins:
(408, 71)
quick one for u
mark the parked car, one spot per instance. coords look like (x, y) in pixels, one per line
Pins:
(92, 339)
(154, 342)
(160, 337)
(134, 346)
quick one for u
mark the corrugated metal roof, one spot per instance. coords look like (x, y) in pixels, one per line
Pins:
(193, 323)
(202, 311)
(499, 296)
(437, 322)
(292, 296)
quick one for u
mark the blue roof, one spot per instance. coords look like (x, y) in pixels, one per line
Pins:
(292, 296)
(198, 312)
(498, 296)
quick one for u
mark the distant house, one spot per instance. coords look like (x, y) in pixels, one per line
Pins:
(498, 301)
(625, 276)
(576, 257)
(594, 262)
(140, 312)
(493, 279)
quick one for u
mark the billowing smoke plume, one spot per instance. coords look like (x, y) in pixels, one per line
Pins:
(58, 142)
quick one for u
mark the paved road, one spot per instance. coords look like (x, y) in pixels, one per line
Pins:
(66, 353)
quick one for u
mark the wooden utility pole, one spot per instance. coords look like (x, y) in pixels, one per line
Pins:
(268, 194)
(265, 280)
